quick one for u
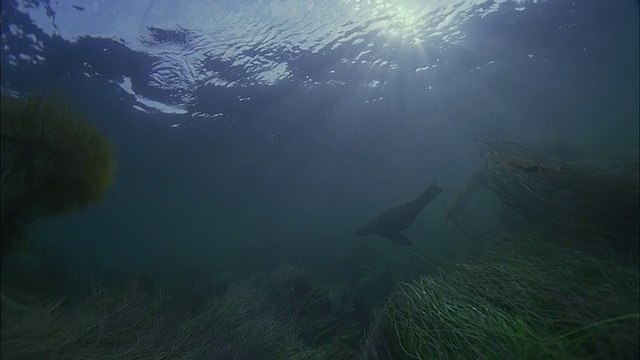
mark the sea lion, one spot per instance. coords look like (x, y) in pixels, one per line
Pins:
(391, 222)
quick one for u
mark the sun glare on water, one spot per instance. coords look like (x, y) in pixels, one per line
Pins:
(404, 23)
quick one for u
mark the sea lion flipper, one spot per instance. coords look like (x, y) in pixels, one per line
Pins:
(397, 237)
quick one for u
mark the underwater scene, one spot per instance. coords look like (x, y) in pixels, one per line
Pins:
(320, 179)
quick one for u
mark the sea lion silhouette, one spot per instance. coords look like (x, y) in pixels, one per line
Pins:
(391, 222)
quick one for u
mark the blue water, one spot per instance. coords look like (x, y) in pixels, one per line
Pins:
(251, 135)
(236, 123)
